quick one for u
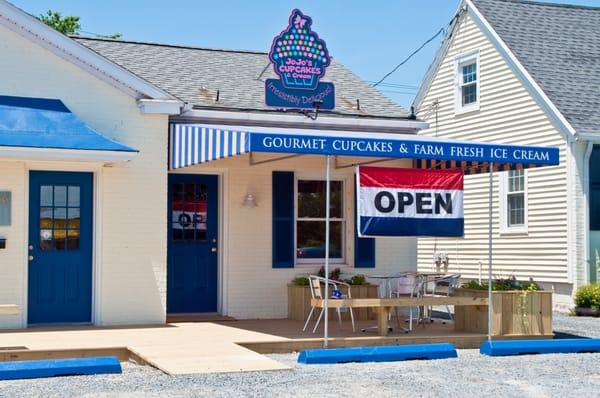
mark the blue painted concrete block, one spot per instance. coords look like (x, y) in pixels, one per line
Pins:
(58, 367)
(378, 354)
(524, 347)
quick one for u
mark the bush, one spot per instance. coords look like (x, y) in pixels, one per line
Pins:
(504, 285)
(300, 281)
(357, 280)
(588, 296)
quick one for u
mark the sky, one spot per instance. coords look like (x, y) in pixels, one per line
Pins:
(370, 37)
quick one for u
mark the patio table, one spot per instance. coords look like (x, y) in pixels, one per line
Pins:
(384, 306)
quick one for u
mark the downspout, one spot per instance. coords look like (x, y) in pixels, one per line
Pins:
(586, 209)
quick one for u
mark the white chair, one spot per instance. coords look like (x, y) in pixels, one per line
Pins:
(411, 285)
(316, 283)
(445, 286)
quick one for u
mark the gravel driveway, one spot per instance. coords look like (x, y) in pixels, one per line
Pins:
(470, 375)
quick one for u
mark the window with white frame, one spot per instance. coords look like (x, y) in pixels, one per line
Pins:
(310, 221)
(467, 78)
(514, 198)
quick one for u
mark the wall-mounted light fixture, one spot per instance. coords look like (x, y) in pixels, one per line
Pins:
(249, 201)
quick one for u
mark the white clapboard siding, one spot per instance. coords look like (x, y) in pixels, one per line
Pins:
(508, 114)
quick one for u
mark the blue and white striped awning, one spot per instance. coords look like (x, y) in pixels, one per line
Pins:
(196, 144)
(193, 144)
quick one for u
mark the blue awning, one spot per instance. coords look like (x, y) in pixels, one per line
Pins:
(47, 123)
(192, 144)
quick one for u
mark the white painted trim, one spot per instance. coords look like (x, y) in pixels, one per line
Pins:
(594, 138)
(31, 28)
(96, 169)
(571, 214)
(586, 209)
(222, 240)
(503, 190)
(24, 259)
(460, 60)
(521, 72)
(98, 265)
(24, 153)
(316, 262)
(301, 121)
(167, 107)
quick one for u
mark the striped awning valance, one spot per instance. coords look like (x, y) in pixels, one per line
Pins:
(192, 144)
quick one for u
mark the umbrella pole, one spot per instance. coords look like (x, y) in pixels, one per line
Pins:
(490, 198)
(327, 205)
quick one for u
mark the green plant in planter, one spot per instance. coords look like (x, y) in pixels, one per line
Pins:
(358, 280)
(588, 296)
(334, 274)
(300, 281)
(504, 284)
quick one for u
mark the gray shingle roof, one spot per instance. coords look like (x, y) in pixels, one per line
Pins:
(559, 45)
(195, 74)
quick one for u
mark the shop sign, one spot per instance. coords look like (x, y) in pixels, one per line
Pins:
(410, 202)
(300, 59)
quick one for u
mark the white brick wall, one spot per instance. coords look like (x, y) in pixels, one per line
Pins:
(131, 285)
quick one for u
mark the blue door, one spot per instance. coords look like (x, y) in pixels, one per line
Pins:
(192, 268)
(60, 247)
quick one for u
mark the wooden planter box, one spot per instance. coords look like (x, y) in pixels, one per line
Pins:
(515, 313)
(299, 303)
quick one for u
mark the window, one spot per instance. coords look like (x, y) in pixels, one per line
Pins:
(59, 217)
(189, 212)
(514, 201)
(310, 221)
(467, 78)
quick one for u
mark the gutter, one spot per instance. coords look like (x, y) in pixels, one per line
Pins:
(301, 121)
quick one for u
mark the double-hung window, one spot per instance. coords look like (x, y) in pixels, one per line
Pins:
(310, 221)
(467, 82)
(514, 201)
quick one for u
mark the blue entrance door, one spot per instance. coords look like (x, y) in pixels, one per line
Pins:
(60, 247)
(192, 252)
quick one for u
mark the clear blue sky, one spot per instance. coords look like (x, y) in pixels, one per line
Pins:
(370, 37)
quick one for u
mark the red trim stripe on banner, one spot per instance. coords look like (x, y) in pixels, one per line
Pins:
(410, 178)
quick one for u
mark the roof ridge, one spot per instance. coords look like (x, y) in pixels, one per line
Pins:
(226, 50)
(547, 4)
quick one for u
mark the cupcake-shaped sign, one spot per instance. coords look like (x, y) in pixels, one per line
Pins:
(299, 56)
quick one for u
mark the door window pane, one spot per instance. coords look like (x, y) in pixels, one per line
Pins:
(60, 225)
(73, 239)
(74, 196)
(60, 195)
(189, 212)
(46, 195)
(60, 239)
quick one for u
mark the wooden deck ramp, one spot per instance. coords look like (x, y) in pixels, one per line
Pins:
(185, 348)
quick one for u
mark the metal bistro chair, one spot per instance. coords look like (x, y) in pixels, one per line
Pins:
(315, 283)
(445, 286)
(411, 285)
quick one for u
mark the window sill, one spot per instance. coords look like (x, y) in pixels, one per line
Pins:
(319, 265)
(466, 110)
(522, 231)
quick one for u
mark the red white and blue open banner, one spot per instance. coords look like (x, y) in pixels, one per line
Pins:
(409, 202)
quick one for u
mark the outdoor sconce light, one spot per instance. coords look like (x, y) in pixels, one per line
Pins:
(249, 201)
